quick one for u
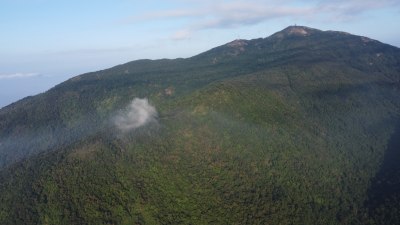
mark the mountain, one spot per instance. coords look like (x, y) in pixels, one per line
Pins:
(301, 127)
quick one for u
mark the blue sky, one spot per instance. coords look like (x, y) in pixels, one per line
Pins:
(44, 42)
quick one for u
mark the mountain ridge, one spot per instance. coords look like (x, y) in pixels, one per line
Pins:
(286, 129)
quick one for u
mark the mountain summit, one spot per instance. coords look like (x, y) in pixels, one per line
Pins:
(301, 127)
(296, 31)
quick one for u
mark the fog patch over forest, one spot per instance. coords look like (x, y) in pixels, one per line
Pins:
(138, 113)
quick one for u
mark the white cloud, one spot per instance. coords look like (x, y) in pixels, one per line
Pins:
(18, 75)
(159, 15)
(210, 14)
(344, 10)
(239, 14)
(138, 113)
(181, 35)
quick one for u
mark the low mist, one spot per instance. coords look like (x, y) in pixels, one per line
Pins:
(138, 113)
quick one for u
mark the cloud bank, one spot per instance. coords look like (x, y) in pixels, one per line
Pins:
(208, 14)
(138, 113)
(18, 75)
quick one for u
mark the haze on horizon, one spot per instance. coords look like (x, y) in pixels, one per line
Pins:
(44, 42)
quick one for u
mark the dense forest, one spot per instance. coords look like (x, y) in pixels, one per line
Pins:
(301, 127)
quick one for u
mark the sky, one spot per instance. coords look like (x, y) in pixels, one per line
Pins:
(44, 42)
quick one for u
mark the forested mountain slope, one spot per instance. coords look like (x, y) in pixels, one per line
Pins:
(301, 127)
